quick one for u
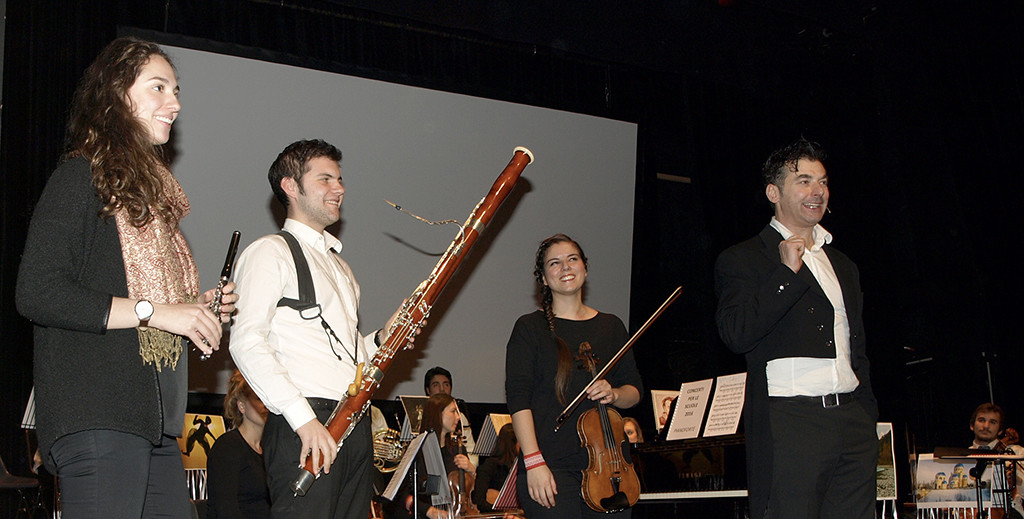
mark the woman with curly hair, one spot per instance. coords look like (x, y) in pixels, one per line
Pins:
(541, 377)
(110, 284)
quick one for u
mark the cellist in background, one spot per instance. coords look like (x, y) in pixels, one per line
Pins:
(541, 376)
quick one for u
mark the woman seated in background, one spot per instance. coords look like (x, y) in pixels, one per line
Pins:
(494, 470)
(441, 420)
(236, 478)
(656, 473)
(631, 428)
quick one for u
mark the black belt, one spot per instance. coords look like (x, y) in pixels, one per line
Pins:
(829, 400)
(322, 403)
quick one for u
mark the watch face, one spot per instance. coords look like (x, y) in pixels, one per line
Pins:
(143, 310)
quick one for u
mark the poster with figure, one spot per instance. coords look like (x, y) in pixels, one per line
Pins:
(413, 406)
(662, 401)
(200, 431)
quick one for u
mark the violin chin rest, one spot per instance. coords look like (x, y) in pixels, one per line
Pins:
(615, 502)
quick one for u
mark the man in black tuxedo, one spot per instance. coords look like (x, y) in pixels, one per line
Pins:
(792, 305)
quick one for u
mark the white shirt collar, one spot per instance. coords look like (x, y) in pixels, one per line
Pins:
(321, 241)
(821, 236)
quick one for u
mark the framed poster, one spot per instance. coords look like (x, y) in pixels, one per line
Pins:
(200, 431)
(885, 476)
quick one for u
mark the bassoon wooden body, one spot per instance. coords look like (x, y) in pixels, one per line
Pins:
(414, 312)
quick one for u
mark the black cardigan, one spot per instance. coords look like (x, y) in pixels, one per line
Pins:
(86, 377)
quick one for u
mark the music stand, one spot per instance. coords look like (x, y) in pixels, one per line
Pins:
(981, 457)
(436, 476)
(413, 407)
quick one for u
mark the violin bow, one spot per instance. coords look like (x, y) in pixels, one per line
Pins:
(614, 360)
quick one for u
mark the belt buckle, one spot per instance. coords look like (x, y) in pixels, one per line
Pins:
(830, 400)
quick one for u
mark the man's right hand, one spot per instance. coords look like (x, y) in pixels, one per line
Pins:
(319, 443)
(791, 252)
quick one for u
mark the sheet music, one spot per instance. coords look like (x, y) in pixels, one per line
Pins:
(507, 498)
(413, 406)
(727, 405)
(434, 465)
(28, 421)
(488, 439)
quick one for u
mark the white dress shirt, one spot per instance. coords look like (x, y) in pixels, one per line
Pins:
(284, 357)
(807, 376)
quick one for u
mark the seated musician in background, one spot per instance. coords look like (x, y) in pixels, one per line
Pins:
(236, 478)
(632, 429)
(440, 419)
(439, 380)
(656, 473)
(989, 434)
(495, 469)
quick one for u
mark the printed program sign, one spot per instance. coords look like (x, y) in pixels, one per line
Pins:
(690, 405)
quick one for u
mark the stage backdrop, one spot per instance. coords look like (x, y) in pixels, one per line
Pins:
(433, 153)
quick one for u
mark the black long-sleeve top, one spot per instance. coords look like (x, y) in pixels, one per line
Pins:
(531, 362)
(236, 480)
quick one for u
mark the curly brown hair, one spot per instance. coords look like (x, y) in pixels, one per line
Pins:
(103, 129)
(238, 391)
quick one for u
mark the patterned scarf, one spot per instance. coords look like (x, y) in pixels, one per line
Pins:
(160, 269)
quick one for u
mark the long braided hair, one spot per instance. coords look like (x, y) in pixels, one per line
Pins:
(564, 354)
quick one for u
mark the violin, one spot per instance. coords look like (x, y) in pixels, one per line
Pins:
(1006, 438)
(609, 483)
(1015, 503)
(461, 484)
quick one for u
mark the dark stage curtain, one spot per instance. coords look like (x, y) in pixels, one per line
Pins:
(920, 108)
(49, 43)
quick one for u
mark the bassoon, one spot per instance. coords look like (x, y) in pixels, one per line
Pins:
(413, 313)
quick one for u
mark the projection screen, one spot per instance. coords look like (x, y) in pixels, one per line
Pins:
(435, 154)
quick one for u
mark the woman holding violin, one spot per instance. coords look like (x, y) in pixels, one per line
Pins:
(543, 372)
(441, 417)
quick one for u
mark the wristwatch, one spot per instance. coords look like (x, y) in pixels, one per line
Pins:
(144, 311)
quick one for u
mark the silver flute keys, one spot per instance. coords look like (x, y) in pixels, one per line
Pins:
(225, 276)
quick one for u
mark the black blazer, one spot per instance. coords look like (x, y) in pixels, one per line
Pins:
(765, 311)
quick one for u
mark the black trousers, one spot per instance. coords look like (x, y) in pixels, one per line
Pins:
(569, 503)
(344, 493)
(107, 473)
(824, 460)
